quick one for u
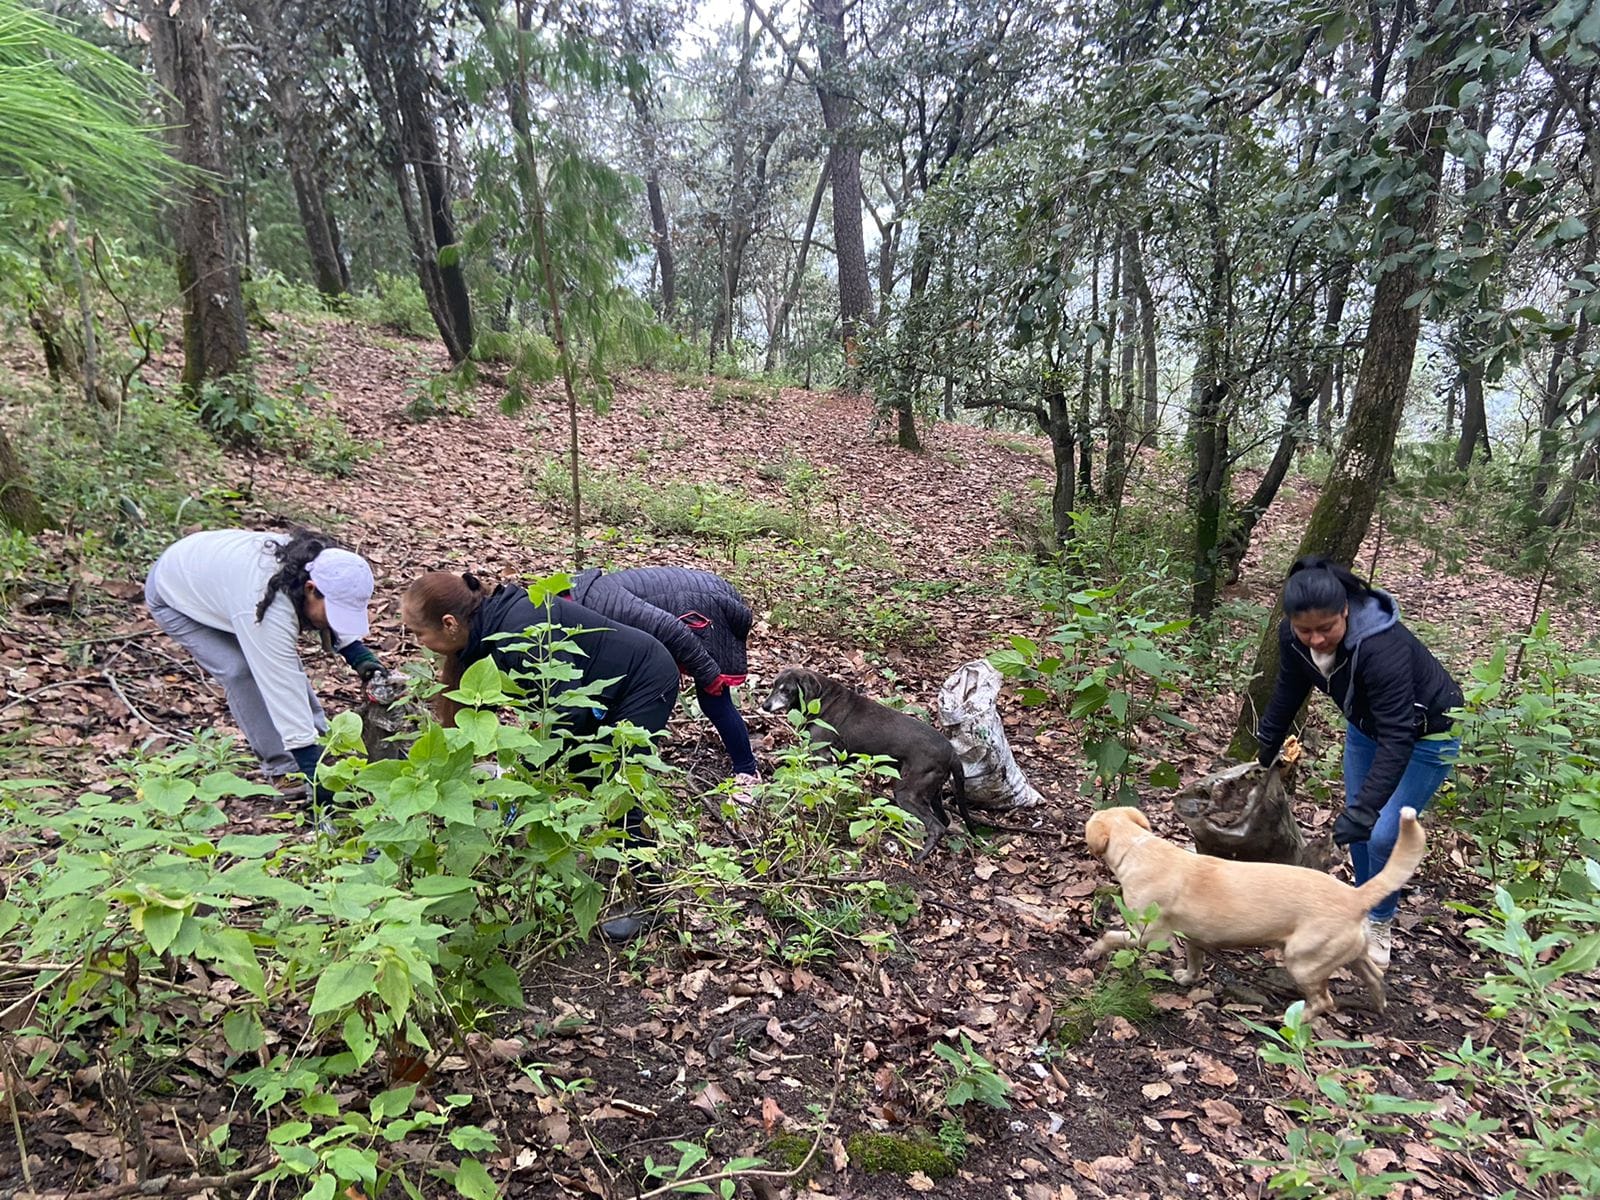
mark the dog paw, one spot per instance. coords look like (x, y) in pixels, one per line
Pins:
(1184, 977)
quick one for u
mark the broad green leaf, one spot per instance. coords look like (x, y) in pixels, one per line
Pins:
(353, 1165)
(343, 984)
(473, 1182)
(393, 1102)
(242, 1029)
(160, 926)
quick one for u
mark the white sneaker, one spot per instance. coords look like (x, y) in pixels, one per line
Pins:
(1380, 942)
(744, 785)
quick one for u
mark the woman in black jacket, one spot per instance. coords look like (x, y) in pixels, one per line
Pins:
(457, 618)
(1344, 637)
(703, 621)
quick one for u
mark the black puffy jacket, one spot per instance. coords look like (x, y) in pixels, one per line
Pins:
(699, 617)
(644, 681)
(1385, 682)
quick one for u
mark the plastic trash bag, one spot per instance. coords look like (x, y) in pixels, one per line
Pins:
(969, 718)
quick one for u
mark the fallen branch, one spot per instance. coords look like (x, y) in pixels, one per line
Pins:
(172, 1185)
(82, 680)
(134, 709)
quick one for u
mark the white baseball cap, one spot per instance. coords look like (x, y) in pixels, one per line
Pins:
(345, 581)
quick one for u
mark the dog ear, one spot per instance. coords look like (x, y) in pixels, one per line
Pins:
(1136, 815)
(1097, 834)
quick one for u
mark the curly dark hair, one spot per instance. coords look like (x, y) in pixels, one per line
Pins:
(294, 561)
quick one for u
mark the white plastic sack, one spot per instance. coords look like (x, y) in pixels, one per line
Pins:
(969, 718)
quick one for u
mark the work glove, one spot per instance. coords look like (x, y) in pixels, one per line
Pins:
(1354, 825)
(367, 668)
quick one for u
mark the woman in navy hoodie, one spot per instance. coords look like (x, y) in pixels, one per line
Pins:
(704, 623)
(1342, 636)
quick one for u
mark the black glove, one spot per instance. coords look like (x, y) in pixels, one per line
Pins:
(1354, 825)
(367, 668)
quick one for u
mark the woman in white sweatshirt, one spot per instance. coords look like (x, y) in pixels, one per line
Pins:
(238, 601)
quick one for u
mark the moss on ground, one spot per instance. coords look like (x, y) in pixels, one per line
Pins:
(899, 1155)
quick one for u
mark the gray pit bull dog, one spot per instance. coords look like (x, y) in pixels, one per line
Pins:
(857, 725)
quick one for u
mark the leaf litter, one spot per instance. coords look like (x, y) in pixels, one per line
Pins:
(733, 1050)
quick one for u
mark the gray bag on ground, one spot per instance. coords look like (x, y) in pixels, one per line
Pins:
(969, 718)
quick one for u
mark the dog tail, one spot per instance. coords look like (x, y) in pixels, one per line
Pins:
(1407, 856)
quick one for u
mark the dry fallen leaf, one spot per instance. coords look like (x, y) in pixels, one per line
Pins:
(1155, 1091)
(919, 1182)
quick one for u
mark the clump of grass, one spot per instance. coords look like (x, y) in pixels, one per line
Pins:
(1116, 994)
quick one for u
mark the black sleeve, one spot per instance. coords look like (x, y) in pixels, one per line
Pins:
(1288, 694)
(609, 595)
(1387, 679)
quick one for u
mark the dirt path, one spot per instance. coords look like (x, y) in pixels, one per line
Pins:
(703, 1037)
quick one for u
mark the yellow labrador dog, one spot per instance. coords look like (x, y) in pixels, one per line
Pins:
(1318, 922)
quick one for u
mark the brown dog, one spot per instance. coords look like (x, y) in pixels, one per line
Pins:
(853, 723)
(1318, 922)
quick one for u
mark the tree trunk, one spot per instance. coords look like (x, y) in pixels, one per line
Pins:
(1474, 417)
(316, 220)
(914, 336)
(1121, 422)
(1585, 469)
(1061, 452)
(389, 42)
(844, 158)
(19, 504)
(793, 290)
(272, 26)
(215, 342)
(1210, 493)
(660, 231)
(1344, 509)
(1147, 341)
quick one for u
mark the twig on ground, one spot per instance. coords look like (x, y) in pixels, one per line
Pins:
(175, 1185)
(81, 680)
(134, 709)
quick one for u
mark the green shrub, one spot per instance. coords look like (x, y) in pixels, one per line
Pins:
(406, 923)
(396, 302)
(1110, 665)
(1528, 785)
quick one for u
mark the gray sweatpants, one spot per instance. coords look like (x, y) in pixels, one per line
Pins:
(218, 653)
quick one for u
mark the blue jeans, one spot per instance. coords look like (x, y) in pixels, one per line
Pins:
(1430, 764)
(720, 711)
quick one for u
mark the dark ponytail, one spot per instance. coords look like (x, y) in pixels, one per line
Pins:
(295, 557)
(1316, 584)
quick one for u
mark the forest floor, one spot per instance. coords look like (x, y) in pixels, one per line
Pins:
(708, 1036)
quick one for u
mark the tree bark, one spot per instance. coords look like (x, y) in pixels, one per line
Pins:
(1147, 342)
(660, 230)
(389, 41)
(272, 25)
(1343, 512)
(798, 277)
(1121, 422)
(215, 341)
(844, 159)
(19, 503)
